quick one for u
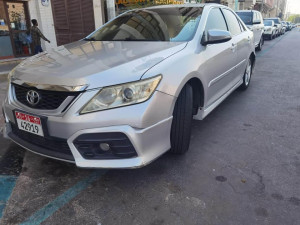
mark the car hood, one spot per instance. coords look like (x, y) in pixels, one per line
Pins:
(93, 64)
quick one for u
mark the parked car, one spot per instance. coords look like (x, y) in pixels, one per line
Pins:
(278, 24)
(284, 27)
(127, 93)
(270, 30)
(289, 26)
(254, 21)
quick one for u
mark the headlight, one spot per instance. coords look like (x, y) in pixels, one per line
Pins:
(122, 95)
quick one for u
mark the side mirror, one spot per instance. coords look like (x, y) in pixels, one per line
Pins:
(256, 22)
(215, 37)
(275, 25)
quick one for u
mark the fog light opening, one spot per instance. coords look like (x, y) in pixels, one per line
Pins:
(104, 147)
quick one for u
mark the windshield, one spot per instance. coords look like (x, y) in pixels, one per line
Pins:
(267, 22)
(247, 17)
(177, 24)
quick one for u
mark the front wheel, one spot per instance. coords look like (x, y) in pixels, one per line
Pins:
(182, 121)
(247, 76)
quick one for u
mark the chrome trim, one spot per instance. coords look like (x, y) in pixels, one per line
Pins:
(50, 87)
(213, 81)
(54, 112)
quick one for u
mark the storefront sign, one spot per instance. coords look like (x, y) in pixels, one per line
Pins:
(45, 2)
(124, 5)
(156, 2)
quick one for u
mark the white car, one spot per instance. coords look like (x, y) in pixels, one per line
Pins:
(128, 92)
(270, 30)
(254, 21)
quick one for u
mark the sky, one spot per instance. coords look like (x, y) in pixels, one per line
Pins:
(293, 6)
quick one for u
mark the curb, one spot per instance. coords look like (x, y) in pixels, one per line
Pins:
(4, 73)
(14, 60)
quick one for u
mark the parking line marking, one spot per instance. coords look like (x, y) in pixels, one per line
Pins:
(263, 52)
(7, 184)
(41, 215)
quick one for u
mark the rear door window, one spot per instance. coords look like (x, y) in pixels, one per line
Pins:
(247, 17)
(215, 20)
(232, 22)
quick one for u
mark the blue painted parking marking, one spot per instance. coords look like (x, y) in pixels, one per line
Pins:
(7, 184)
(45, 212)
(263, 52)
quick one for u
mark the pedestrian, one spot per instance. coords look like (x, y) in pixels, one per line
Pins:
(36, 36)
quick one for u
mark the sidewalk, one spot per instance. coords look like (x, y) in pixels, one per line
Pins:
(7, 66)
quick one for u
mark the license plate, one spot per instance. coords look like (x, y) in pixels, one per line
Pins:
(28, 123)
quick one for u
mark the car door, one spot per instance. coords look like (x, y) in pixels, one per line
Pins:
(220, 59)
(256, 30)
(242, 40)
(261, 25)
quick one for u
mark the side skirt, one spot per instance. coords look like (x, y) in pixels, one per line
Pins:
(202, 113)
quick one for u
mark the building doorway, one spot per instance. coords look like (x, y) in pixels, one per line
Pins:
(14, 24)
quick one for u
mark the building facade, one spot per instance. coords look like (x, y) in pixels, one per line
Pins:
(65, 21)
(61, 21)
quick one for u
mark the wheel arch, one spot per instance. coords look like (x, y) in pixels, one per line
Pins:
(198, 93)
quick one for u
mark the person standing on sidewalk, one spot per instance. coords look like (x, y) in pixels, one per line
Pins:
(36, 36)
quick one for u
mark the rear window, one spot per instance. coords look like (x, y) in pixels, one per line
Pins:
(276, 21)
(267, 22)
(247, 17)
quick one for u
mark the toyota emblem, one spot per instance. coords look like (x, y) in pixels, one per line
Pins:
(32, 97)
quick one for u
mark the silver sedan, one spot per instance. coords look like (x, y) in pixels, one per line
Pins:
(128, 92)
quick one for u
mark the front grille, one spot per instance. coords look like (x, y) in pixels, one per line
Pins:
(51, 146)
(49, 100)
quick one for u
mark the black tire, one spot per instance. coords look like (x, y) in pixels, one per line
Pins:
(246, 82)
(261, 42)
(182, 121)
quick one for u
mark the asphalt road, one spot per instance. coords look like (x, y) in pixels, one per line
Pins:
(243, 166)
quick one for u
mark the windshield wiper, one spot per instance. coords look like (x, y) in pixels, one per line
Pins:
(133, 39)
(89, 39)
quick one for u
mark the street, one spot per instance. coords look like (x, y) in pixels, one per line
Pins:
(247, 172)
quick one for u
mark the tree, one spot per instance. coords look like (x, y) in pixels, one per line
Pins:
(294, 18)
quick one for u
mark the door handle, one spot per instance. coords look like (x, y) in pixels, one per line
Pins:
(233, 46)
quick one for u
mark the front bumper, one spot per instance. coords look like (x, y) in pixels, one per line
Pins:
(147, 127)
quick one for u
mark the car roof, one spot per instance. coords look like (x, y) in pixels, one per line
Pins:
(186, 5)
(177, 6)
